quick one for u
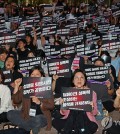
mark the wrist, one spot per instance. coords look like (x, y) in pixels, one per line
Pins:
(108, 88)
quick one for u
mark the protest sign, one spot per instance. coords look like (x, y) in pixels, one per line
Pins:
(77, 99)
(20, 33)
(87, 49)
(61, 67)
(52, 50)
(49, 29)
(96, 73)
(8, 38)
(8, 76)
(68, 50)
(110, 45)
(39, 87)
(28, 63)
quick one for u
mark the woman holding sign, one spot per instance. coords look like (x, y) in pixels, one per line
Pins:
(35, 113)
(78, 121)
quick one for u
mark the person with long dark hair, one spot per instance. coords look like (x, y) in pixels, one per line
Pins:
(77, 120)
(43, 107)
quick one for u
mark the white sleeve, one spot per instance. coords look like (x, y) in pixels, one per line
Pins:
(5, 100)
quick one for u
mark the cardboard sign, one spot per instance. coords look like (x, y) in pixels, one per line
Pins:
(27, 24)
(96, 73)
(77, 99)
(47, 19)
(20, 33)
(28, 63)
(8, 76)
(75, 39)
(91, 37)
(49, 30)
(52, 50)
(88, 49)
(14, 19)
(68, 50)
(39, 87)
(61, 67)
(38, 30)
(63, 31)
(110, 45)
(103, 27)
(6, 38)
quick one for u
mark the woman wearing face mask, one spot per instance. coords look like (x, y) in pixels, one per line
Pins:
(77, 120)
(43, 107)
(115, 62)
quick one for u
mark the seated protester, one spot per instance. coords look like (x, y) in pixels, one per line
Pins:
(3, 55)
(117, 99)
(31, 41)
(22, 51)
(112, 71)
(43, 107)
(5, 99)
(11, 64)
(78, 120)
(109, 82)
(105, 97)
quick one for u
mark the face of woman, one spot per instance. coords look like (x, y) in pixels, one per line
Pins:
(79, 80)
(9, 64)
(21, 45)
(28, 39)
(36, 73)
(99, 63)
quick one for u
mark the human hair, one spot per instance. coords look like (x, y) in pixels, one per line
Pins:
(31, 38)
(78, 71)
(99, 59)
(39, 68)
(3, 50)
(15, 61)
(22, 40)
(2, 77)
(105, 52)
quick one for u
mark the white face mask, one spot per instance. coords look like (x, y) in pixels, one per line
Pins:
(63, 38)
(112, 53)
(51, 40)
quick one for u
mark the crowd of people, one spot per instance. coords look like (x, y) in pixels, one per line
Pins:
(86, 34)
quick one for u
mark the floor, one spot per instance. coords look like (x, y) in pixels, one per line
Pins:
(115, 116)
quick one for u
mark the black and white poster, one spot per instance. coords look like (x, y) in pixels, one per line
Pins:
(76, 99)
(61, 67)
(96, 73)
(28, 63)
(39, 87)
